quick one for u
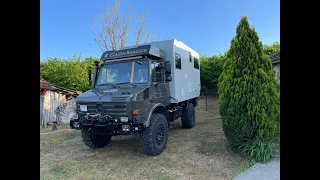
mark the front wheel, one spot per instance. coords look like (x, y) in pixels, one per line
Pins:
(94, 141)
(153, 140)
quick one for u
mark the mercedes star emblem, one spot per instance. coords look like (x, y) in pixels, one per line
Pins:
(99, 107)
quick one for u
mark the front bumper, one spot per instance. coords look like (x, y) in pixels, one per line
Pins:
(109, 128)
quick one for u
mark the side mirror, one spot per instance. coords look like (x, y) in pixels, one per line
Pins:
(89, 76)
(167, 67)
(168, 78)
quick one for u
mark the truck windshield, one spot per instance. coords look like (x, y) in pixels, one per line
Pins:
(134, 72)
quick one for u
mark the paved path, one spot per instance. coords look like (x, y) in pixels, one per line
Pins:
(259, 171)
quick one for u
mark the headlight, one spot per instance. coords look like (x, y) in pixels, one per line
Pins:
(124, 119)
(83, 108)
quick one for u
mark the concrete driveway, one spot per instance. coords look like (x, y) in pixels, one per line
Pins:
(262, 171)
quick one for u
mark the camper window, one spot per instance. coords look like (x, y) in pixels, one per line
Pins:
(196, 62)
(178, 60)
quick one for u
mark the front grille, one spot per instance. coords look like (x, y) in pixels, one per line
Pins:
(114, 109)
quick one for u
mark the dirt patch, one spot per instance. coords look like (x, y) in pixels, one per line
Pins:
(198, 153)
(49, 128)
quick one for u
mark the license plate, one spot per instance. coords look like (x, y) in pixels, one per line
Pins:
(83, 107)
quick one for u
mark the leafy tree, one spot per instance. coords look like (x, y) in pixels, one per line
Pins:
(249, 101)
(211, 67)
(270, 49)
(70, 73)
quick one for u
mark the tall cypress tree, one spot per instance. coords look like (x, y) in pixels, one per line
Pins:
(249, 100)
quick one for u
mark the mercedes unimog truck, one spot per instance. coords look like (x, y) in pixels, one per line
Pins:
(140, 89)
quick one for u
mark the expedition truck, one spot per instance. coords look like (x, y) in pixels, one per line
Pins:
(140, 89)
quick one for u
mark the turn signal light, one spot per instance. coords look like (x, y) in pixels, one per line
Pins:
(136, 112)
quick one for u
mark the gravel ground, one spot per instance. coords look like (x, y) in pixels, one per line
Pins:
(259, 171)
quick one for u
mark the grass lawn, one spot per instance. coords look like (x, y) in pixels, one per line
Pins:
(198, 153)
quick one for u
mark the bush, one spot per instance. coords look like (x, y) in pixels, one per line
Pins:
(211, 69)
(249, 100)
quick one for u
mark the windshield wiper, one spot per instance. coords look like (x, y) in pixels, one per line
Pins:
(106, 84)
(125, 83)
(122, 83)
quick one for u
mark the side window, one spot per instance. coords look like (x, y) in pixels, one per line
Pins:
(141, 72)
(156, 73)
(196, 63)
(190, 57)
(178, 60)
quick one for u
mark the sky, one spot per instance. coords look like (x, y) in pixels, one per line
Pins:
(207, 26)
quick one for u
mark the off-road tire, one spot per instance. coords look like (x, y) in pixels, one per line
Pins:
(94, 141)
(188, 116)
(148, 137)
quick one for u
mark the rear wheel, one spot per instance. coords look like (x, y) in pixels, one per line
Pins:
(94, 141)
(188, 116)
(153, 140)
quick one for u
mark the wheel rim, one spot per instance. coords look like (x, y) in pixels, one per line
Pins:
(159, 134)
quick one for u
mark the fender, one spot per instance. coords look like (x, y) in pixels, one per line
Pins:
(149, 112)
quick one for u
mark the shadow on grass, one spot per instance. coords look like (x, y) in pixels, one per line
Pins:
(214, 146)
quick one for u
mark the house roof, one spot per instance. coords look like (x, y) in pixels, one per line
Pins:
(275, 57)
(66, 91)
(44, 84)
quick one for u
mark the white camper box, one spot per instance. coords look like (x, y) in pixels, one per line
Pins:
(185, 82)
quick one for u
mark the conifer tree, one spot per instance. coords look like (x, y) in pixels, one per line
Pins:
(249, 100)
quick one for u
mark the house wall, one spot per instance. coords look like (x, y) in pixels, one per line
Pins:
(41, 108)
(67, 110)
(51, 101)
(49, 104)
(277, 69)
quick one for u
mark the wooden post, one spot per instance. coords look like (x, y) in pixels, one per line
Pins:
(41, 109)
(44, 122)
(44, 125)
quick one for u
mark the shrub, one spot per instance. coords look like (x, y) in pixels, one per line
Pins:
(249, 100)
(258, 150)
(211, 69)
